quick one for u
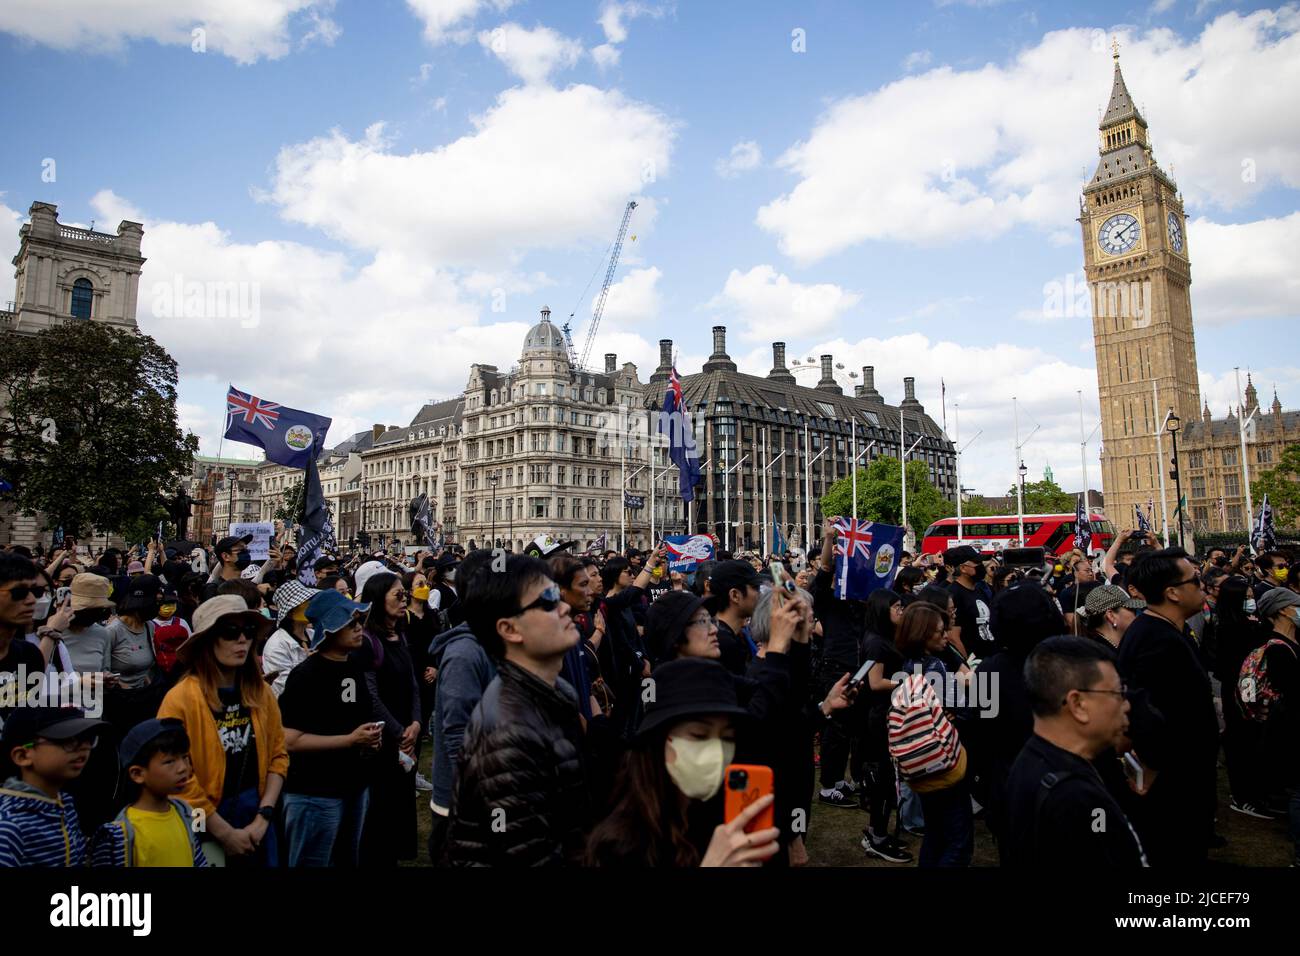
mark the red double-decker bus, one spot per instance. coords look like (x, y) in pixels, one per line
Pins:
(989, 535)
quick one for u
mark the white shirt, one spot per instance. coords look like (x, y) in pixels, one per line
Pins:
(282, 653)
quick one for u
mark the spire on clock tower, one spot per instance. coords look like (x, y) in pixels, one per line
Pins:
(1252, 396)
(1121, 106)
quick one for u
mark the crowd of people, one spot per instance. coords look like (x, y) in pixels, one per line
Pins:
(606, 710)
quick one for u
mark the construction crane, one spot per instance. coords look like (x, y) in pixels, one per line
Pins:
(599, 308)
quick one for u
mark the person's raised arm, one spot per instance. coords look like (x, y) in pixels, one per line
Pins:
(1108, 562)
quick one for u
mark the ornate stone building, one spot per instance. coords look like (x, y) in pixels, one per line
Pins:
(1137, 257)
(67, 274)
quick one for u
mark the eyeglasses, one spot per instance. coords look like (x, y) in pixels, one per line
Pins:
(705, 622)
(19, 592)
(1122, 692)
(1194, 579)
(70, 746)
(402, 596)
(231, 631)
(548, 600)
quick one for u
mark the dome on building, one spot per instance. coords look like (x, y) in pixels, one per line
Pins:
(545, 337)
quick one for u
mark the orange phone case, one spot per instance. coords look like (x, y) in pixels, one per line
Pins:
(758, 784)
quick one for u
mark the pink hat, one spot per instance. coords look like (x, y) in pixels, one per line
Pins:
(135, 567)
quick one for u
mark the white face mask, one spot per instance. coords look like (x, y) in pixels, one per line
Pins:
(42, 609)
(700, 764)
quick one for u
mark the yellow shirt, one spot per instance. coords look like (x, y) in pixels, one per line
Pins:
(161, 839)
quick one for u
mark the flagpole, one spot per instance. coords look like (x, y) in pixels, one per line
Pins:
(1242, 412)
(853, 464)
(763, 501)
(1083, 460)
(653, 539)
(1160, 465)
(807, 494)
(622, 505)
(956, 428)
(902, 462)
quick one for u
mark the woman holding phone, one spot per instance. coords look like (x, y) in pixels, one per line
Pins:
(668, 807)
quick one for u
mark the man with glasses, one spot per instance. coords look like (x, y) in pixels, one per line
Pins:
(521, 797)
(20, 589)
(1157, 653)
(1059, 810)
(41, 750)
(1271, 567)
(1075, 594)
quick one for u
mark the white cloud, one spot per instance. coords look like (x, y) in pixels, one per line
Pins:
(743, 157)
(11, 221)
(1162, 6)
(244, 30)
(450, 19)
(605, 55)
(974, 153)
(916, 60)
(543, 168)
(532, 55)
(1244, 271)
(769, 305)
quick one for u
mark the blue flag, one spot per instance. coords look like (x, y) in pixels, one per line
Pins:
(1143, 523)
(778, 542)
(1082, 528)
(681, 438)
(685, 551)
(289, 437)
(866, 557)
(316, 533)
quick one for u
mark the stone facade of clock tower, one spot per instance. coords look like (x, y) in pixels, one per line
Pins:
(1137, 264)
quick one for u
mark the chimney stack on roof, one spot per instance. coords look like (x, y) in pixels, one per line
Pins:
(611, 362)
(909, 395)
(719, 361)
(828, 383)
(780, 373)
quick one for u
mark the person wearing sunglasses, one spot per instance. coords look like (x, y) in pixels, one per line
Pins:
(522, 750)
(1059, 810)
(20, 589)
(1157, 653)
(236, 736)
(42, 749)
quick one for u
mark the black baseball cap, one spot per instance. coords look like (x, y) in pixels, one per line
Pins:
(325, 561)
(225, 544)
(732, 574)
(142, 733)
(959, 555)
(25, 724)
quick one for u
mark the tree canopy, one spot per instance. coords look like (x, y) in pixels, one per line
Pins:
(1282, 485)
(1045, 498)
(88, 427)
(880, 495)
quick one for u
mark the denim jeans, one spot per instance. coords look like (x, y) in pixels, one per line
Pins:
(910, 811)
(949, 827)
(324, 831)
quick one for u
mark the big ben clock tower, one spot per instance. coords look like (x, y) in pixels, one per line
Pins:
(1135, 253)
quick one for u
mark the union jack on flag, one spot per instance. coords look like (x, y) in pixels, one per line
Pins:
(861, 540)
(254, 410)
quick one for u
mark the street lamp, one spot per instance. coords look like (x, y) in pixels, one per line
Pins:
(1172, 424)
(492, 480)
(1020, 501)
(231, 478)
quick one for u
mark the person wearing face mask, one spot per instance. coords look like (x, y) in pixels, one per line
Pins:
(138, 691)
(667, 806)
(972, 598)
(290, 644)
(1280, 670)
(232, 558)
(169, 630)
(1271, 569)
(424, 622)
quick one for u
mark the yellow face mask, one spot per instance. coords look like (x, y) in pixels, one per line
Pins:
(1279, 574)
(299, 613)
(166, 610)
(420, 594)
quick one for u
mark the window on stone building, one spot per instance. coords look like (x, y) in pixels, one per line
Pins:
(1229, 456)
(1232, 484)
(1264, 456)
(83, 297)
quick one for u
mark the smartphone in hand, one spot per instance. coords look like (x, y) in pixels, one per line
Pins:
(746, 784)
(856, 681)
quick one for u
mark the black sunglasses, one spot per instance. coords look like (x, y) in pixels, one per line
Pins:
(19, 592)
(548, 600)
(232, 631)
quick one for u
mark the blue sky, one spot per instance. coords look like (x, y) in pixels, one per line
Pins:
(400, 186)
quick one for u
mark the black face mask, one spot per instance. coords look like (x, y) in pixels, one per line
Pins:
(243, 560)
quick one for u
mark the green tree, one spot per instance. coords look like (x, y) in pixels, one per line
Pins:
(88, 426)
(1045, 498)
(293, 504)
(1282, 485)
(880, 495)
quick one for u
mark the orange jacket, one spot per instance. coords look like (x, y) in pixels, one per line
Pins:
(185, 701)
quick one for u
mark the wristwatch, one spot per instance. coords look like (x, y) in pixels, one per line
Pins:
(266, 813)
(824, 711)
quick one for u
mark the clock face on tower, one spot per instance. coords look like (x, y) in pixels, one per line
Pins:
(1119, 233)
(1175, 233)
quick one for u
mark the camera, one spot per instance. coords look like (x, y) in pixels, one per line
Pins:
(737, 779)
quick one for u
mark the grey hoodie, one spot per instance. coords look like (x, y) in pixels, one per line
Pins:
(464, 671)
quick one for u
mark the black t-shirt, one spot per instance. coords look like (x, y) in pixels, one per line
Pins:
(1076, 822)
(973, 613)
(734, 648)
(882, 651)
(658, 589)
(328, 698)
(235, 730)
(1067, 596)
(19, 655)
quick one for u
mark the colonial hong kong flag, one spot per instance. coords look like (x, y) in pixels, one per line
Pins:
(866, 557)
(681, 438)
(286, 434)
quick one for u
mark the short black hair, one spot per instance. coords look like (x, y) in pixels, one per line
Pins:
(14, 567)
(614, 567)
(1059, 665)
(908, 578)
(1154, 571)
(1266, 560)
(21, 550)
(564, 568)
(245, 589)
(496, 594)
